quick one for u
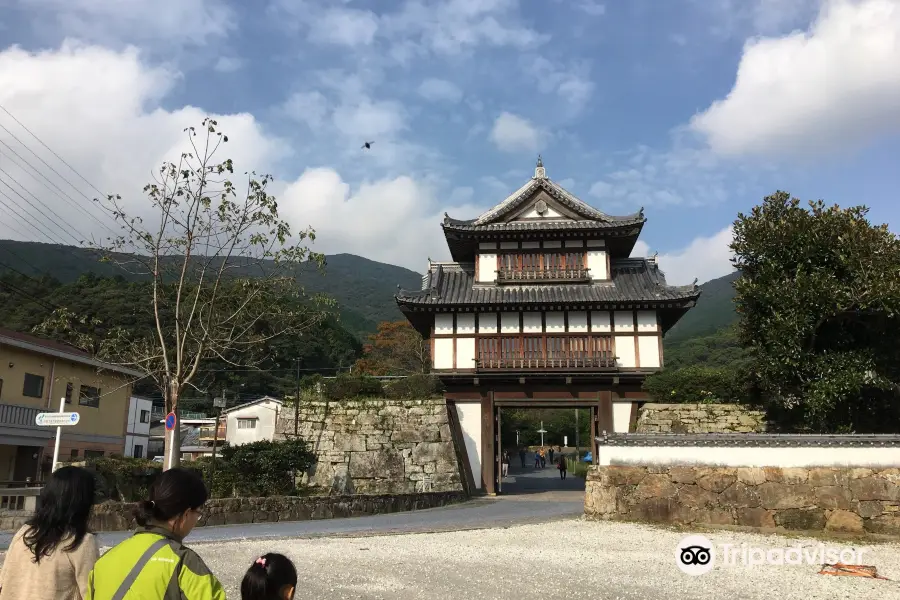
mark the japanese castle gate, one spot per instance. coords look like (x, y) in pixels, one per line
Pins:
(542, 307)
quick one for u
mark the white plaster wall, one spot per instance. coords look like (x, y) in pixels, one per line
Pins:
(465, 323)
(531, 245)
(596, 243)
(596, 262)
(625, 351)
(509, 245)
(487, 323)
(469, 414)
(509, 322)
(578, 321)
(624, 320)
(648, 347)
(465, 353)
(487, 245)
(531, 322)
(621, 416)
(600, 322)
(646, 320)
(135, 406)
(877, 457)
(553, 244)
(534, 214)
(574, 244)
(487, 268)
(131, 440)
(443, 353)
(266, 415)
(556, 322)
(443, 323)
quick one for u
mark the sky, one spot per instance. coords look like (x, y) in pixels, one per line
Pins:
(693, 109)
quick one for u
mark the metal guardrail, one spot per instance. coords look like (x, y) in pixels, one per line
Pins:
(606, 361)
(542, 275)
(12, 415)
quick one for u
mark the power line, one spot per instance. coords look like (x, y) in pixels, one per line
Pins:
(61, 227)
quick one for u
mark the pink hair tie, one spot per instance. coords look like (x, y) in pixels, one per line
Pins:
(261, 561)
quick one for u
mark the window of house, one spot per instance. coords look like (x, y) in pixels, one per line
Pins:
(246, 423)
(69, 389)
(74, 454)
(34, 386)
(138, 451)
(89, 396)
(145, 416)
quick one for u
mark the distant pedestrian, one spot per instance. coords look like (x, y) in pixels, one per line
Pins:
(52, 555)
(522, 455)
(550, 453)
(537, 460)
(543, 458)
(562, 467)
(504, 465)
(270, 577)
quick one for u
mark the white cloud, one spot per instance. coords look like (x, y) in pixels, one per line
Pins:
(703, 259)
(310, 108)
(837, 85)
(512, 133)
(101, 110)
(345, 27)
(183, 22)
(747, 18)
(591, 7)
(440, 90)
(228, 64)
(573, 85)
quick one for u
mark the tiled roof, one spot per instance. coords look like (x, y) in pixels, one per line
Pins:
(594, 218)
(747, 440)
(58, 349)
(633, 280)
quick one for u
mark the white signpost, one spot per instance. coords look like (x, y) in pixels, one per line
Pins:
(59, 420)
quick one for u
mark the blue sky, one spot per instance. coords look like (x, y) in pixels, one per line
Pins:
(694, 109)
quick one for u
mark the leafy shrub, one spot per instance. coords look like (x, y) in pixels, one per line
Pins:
(263, 468)
(699, 384)
(123, 478)
(414, 387)
(346, 386)
(220, 482)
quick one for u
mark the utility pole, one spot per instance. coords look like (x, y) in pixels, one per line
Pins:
(220, 404)
(297, 405)
(577, 427)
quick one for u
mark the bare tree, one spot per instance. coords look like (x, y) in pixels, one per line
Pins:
(220, 267)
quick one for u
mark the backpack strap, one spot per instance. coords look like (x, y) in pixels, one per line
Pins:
(138, 567)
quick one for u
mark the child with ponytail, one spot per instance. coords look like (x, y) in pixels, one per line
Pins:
(270, 577)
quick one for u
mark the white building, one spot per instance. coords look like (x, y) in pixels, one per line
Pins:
(137, 435)
(252, 421)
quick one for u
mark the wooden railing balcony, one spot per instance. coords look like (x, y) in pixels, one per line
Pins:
(546, 275)
(551, 363)
(545, 353)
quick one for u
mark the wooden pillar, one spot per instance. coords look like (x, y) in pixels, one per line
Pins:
(604, 419)
(488, 447)
(595, 412)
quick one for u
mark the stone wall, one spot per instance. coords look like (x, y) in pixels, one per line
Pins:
(699, 418)
(852, 500)
(376, 446)
(117, 516)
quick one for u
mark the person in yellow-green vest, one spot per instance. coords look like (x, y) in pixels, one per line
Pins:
(153, 564)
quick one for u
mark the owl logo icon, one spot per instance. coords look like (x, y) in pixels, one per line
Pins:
(695, 555)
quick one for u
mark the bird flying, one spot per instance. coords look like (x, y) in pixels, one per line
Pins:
(368, 145)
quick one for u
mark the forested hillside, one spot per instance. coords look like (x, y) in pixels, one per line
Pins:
(363, 288)
(713, 312)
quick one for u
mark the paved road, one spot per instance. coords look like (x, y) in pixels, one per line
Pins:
(532, 496)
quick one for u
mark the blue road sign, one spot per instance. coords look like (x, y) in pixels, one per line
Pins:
(170, 421)
(74, 418)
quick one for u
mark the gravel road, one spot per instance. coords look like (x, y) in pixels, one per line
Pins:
(563, 559)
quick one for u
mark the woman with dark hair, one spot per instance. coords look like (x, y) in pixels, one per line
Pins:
(52, 555)
(153, 563)
(270, 577)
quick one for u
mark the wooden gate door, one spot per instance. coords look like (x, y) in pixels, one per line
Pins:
(498, 452)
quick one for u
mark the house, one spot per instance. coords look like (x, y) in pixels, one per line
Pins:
(35, 375)
(137, 435)
(251, 421)
(197, 437)
(542, 305)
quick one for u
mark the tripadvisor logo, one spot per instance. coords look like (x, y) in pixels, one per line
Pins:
(696, 555)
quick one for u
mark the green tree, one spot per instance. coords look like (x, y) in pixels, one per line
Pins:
(818, 299)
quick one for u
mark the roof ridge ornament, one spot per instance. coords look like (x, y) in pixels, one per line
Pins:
(539, 171)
